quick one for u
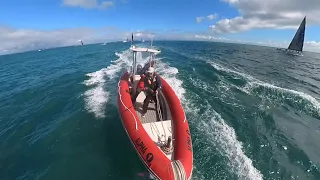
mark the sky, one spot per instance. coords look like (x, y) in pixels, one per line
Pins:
(35, 24)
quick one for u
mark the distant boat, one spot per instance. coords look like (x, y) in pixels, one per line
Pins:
(81, 42)
(298, 39)
(161, 136)
(125, 40)
(296, 45)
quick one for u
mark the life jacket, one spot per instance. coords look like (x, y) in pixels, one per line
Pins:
(153, 83)
(141, 82)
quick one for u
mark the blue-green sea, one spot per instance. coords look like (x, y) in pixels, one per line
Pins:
(254, 112)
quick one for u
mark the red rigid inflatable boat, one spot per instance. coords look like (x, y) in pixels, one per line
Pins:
(162, 138)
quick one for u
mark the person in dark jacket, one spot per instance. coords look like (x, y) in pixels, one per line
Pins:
(152, 85)
(139, 70)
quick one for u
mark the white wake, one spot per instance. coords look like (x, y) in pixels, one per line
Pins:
(253, 83)
(210, 122)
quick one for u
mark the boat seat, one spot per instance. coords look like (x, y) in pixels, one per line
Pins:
(136, 80)
(133, 83)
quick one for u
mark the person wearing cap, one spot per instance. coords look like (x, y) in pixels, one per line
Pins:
(152, 85)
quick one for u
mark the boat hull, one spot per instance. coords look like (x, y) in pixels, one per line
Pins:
(290, 52)
(153, 158)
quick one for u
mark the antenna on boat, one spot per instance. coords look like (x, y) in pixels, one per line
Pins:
(131, 39)
(134, 55)
(151, 55)
(151, 39)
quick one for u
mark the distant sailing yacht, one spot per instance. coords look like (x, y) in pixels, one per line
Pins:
(81, 42)
(296, 45)
(298, 39)
(125, 40)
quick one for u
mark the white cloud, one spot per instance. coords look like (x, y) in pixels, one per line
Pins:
(254, 14)
(313, 44)
(212, 16)
(209, 37)
(106, 4)
(18, 40)
(88, 4)
(199, 19)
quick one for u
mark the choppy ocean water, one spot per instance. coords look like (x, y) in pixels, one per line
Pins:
(254, 112)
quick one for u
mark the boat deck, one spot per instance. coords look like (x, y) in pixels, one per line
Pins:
(158, 130)
(151, 115)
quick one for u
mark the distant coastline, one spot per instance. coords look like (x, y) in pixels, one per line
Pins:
(162, 40)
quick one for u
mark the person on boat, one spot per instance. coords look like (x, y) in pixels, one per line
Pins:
(152, 85)
(140, 87)
(139, 70)
(146, 66)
